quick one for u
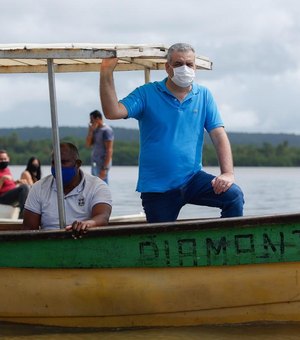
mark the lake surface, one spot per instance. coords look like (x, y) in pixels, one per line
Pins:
(267, 191)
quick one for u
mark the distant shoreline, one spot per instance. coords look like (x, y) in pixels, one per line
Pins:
(132, 135)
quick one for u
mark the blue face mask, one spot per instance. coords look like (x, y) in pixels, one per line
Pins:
(68, 174)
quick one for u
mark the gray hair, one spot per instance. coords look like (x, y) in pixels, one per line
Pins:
(179, 47)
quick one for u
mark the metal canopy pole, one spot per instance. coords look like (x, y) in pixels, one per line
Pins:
(56, 145)
(147, 75)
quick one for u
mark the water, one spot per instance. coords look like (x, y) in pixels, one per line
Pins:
(267, 191)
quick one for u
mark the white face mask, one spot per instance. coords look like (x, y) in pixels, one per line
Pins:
(183, 76)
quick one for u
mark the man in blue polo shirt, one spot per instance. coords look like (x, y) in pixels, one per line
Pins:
(172, 116)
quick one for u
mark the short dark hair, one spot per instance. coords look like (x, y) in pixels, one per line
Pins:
(96, 114)
(179, 47)
(72, 148)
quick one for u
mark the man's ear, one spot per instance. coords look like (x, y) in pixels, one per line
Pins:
(78, 163)
(169, 69)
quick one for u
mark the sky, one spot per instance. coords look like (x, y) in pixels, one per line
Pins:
(254, 46)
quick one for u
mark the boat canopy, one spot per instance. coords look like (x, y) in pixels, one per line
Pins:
(32, 58)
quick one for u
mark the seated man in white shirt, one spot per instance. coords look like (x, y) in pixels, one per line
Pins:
(87, 198)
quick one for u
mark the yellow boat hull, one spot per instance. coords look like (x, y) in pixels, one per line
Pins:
(148, 297)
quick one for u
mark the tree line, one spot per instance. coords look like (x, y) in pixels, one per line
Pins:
(126, 153)
(280, 155)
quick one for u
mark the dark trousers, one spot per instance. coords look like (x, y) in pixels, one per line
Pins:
(165, 207)
(16, 197)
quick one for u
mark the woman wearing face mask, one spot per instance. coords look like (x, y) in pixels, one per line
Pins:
(11, 192)
(32, 173)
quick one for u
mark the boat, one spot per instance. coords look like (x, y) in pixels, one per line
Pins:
(126, 275)
(133, 274)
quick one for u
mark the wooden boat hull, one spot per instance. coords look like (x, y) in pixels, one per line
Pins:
(147, 297)
(193, 272)
(173, 274)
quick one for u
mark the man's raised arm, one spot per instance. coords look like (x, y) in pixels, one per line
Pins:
(112, 109)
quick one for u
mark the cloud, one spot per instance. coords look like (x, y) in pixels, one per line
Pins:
(254, 46)
(236, 120)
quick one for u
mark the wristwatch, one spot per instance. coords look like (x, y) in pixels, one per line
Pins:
(104, 168)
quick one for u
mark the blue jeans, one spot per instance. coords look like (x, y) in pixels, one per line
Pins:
(95, 171)
(165, 207)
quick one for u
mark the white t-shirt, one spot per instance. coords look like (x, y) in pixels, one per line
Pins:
(42, 200)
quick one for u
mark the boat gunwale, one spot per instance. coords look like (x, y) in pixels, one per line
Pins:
(125, 228)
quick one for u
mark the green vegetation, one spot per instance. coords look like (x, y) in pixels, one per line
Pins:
(258, 155)
(126, 153)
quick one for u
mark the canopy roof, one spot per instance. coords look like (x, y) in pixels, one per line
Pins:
(32, 58)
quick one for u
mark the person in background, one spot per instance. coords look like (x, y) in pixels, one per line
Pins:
(172, 116)
(87, 198)
(11, 192)
(32, 173)
(100, 137)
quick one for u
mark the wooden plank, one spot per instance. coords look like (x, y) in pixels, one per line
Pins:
(85, 58)
(56, 54)
(171, 297)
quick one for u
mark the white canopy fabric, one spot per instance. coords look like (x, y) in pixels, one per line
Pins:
(32, 58)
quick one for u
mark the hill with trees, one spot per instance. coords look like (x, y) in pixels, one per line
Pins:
(132, 135)
(39, 133)
(249, 149)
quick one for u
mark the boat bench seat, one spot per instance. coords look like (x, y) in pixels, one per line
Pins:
(9, 211)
